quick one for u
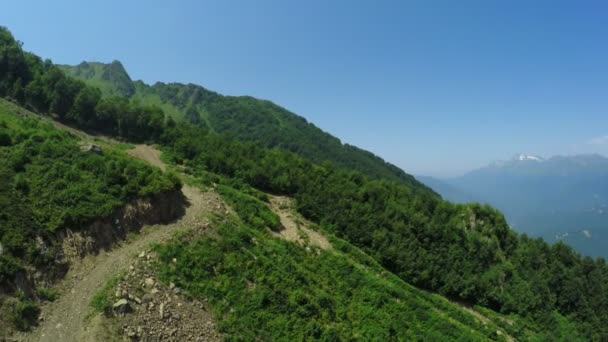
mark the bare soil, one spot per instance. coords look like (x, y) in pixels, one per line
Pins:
(149, 154)
(296, 228)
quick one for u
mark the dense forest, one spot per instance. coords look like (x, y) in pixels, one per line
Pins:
(465, 252)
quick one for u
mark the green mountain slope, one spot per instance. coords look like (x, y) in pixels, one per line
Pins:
(111, 78)
(466, 252)
(239, 117)
(265, 288)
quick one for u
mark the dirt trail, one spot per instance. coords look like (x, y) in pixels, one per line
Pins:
(149, 154)
(66, 319)
(296, 228)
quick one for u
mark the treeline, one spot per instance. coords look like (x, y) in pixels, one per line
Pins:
(42, 87)
(466, 252)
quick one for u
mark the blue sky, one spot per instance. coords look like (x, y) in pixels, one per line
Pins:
(436, 87)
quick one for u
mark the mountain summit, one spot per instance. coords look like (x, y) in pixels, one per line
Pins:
(111, 78)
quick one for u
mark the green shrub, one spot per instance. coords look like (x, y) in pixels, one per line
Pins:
(46, 294)
(250, 209)
(25, 315)
(5, 139)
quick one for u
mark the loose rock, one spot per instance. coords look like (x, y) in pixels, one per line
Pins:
(121, 306)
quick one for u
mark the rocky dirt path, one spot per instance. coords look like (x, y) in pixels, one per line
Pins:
(66, 319)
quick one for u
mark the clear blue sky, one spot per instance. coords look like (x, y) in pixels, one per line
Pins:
(436, 87)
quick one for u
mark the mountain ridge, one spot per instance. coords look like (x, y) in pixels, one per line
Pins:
(243, 118)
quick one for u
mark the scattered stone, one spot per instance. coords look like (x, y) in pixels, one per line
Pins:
(149, 282)
(121, 306)
(161, 310)
(134, 299)
(159, 313)
(91, 148)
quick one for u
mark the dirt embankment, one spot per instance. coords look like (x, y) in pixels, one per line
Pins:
(108, 251)
(102, 234)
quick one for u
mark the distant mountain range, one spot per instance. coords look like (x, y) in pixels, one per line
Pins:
(562, 197)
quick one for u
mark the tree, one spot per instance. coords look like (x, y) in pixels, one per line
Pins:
(192, 115)
(85, 105)
(63, 94)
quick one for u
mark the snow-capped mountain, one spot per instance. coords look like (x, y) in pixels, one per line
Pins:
(524, 157)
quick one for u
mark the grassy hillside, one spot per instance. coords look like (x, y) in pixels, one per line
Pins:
(48, 184)
(239, 117)
(264, 288)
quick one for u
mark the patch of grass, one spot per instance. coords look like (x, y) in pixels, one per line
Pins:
(46, 294)
(250, 209)
(102, 300)
(122, 146)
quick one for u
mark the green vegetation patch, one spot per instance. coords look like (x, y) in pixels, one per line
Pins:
(264, 288)
(251, 210)
(103, 299)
